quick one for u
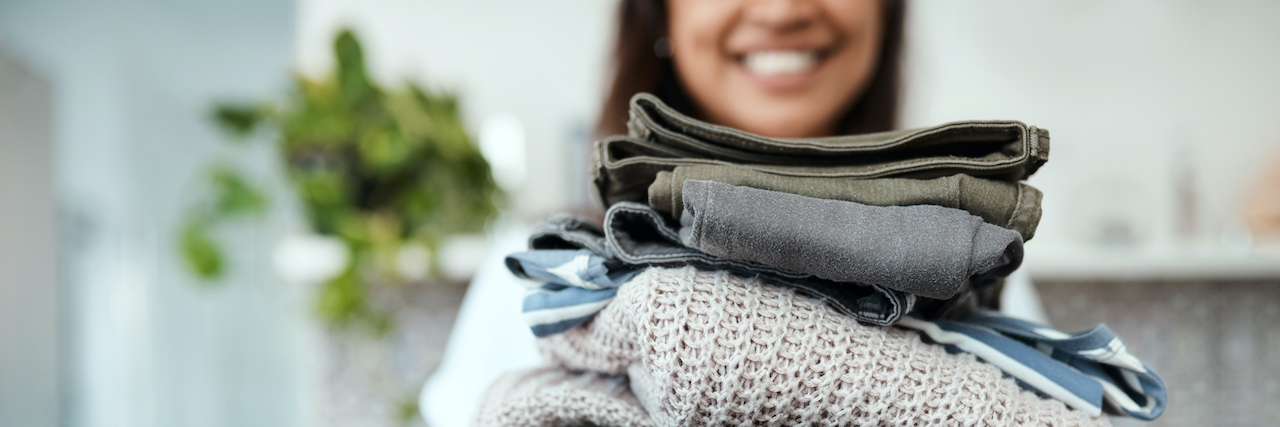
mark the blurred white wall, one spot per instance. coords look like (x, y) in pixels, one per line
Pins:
(1161, 112)
(143, 344)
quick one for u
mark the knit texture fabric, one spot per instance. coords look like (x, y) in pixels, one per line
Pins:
(711, 348)
(555, 397)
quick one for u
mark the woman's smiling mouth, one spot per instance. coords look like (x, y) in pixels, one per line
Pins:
(780, 62)
(782, 70)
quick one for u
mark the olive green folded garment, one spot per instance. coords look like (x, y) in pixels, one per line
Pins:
(1011, 205)
(661, 139)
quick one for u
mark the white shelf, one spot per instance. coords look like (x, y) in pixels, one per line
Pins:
(1172, 262)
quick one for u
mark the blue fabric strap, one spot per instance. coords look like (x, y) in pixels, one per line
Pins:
(1092, 370)
(1131, 387)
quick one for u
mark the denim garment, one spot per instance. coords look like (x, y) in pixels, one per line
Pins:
(661, 139)
(577, 284)
(925, 250)
(637, 235)
(1091, 370)
(1012, 205)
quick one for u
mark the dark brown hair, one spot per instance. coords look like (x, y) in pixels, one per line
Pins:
(636, 67)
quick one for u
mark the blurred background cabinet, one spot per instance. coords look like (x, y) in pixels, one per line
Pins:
(30, 315)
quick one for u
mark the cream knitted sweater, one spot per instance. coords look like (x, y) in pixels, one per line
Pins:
(711, 348)
(554, 397)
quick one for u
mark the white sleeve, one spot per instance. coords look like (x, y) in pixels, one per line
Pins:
(1019, 298)
(488, 338)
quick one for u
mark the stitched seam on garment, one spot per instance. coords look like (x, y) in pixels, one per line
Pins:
(903, 168)
(707, 130)
(1016, 207)
(905, 140)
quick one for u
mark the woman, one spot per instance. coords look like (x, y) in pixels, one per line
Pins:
(778, 68)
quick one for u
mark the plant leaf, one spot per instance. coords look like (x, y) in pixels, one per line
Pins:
(353, 77)
(235, 196)
(238, 120)
(199, 251)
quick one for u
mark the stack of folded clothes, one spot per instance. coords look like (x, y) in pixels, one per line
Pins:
(744, 280)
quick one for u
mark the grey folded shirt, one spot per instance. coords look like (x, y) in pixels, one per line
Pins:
(637, 235)
(661, 139)
(925, 250)
(1015, 206)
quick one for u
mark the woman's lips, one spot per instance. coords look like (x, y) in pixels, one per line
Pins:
(781, 70)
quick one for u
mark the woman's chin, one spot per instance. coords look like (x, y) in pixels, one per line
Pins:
(786, 127)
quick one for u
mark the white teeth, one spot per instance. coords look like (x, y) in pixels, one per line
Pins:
(779, 62)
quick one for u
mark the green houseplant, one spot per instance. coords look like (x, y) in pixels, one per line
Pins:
(379, 170)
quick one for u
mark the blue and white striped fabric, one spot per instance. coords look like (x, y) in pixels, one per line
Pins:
(577, 283)
(1091, 370)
